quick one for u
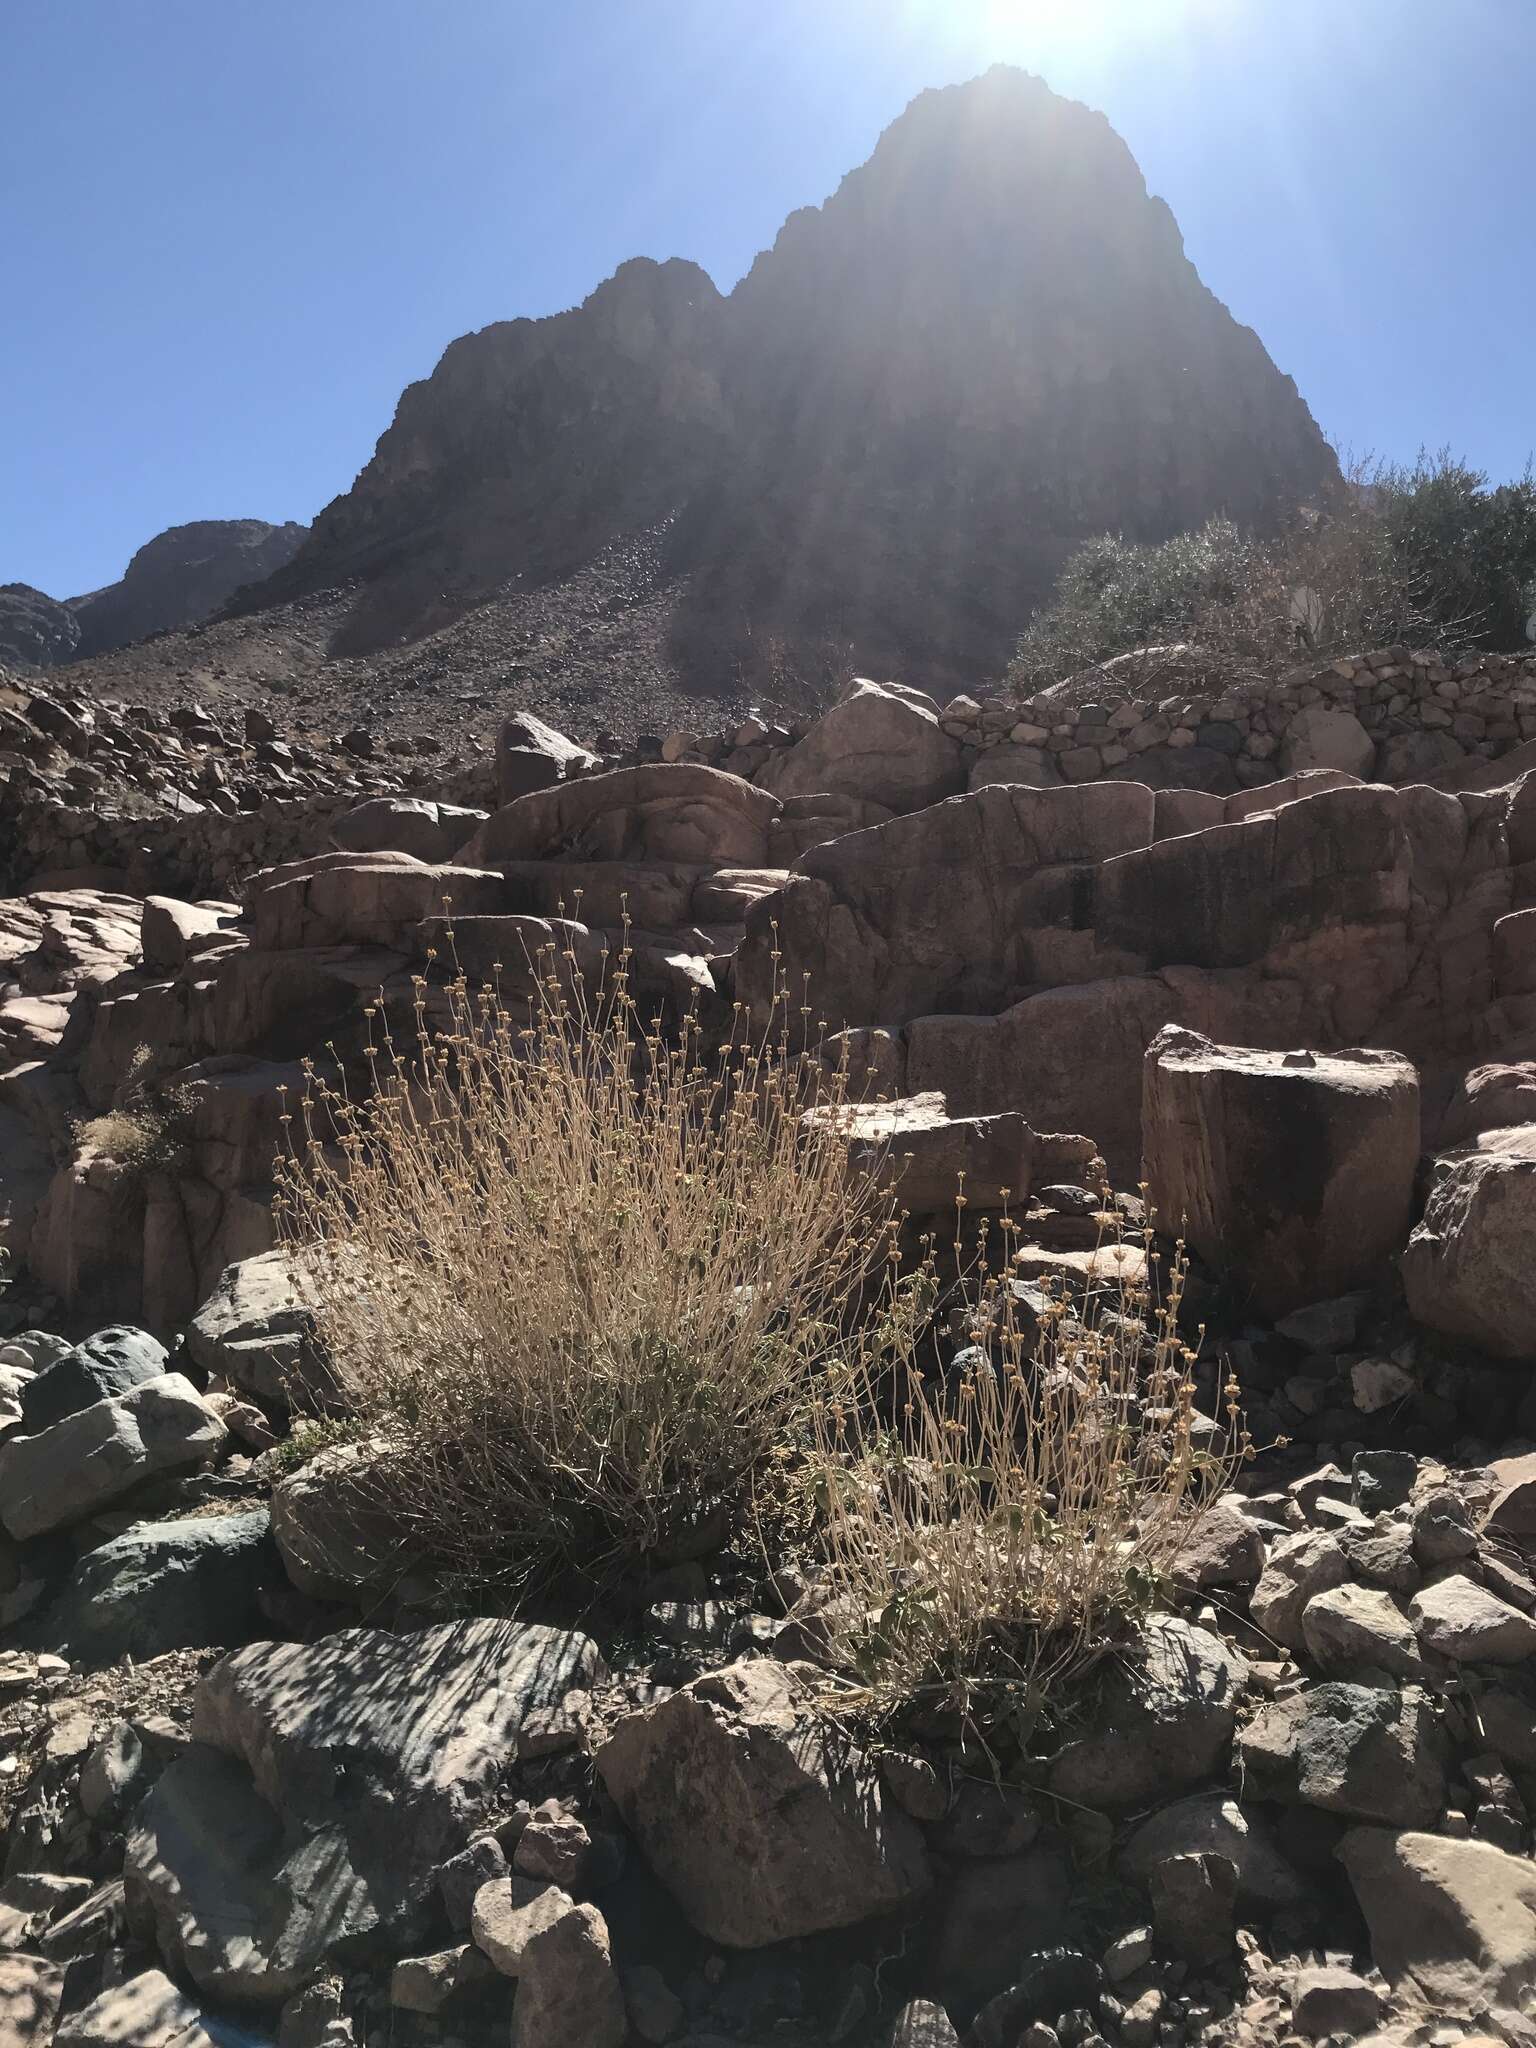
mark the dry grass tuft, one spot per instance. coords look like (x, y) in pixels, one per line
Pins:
(989, 1530)
(577, 1281)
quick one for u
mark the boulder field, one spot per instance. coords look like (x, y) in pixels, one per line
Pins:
(257, 1785)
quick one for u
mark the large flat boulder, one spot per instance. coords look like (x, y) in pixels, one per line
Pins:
(667, 811)
(1292, 1172)
(963, 907)
(531, 755)
(363, 899)
(97, 1369)
(879, 744)
(758, 1820)
(328, 1784)
(432, 832)
(931, 1157)
(165, 1586)
(1469, 1269)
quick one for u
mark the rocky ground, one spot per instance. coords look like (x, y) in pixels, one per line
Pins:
(257, 1783)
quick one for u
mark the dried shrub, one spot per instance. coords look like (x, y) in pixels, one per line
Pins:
(989, 1529)
(149, 1128)
(576, 1282)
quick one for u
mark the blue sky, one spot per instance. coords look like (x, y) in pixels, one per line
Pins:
(234, 229)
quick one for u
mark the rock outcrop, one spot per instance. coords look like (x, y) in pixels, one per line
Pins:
(182, 575)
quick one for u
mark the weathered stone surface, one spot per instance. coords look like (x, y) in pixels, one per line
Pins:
(1215, 1822)
(172, 930)
(1464, 1621)
(1468, 1268)
(1327, 2000)
(344, 1773)
(258, 1331)
(931, 1157)
(165, 1586)
(877, 744)
(336, 1539)
(148, 2011)
(1353, 1627)
(428, 1983)
(923, 2025)
(661, 811)
(362, 899)
(1297, 1569)
(568, 1993)
(29, 2000)
(1164, 1720)
(1224, 1549)
(98, 1454)
(1454, 1921)
(1292, 1171)
(961, 907)
(406, 824)
(1194, 1901)
(753, 1816)
(1371, 1753)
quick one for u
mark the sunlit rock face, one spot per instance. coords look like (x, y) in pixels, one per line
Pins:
(986, 345)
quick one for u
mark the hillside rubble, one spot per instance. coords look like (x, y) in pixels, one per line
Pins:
(259, 1781)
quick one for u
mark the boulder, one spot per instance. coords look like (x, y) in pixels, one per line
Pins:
(1373, 1754)
(932, 1157)
(1453, 1922)
(406, 824)
(815, 820)
(105, 1365)
(762, 1824)
(962, 907)
(531, 755)
(1163, 1721)
(1214, 1823)
(165, 1586)
(1028, 767)
(879, 744)
(659, 812)
(148, 2011)
(1490, 1098)
(508, 1912)
(257, 1331)
(1292, 1172)
(30, 1990)
(361, 899)
(328, 1784)
(173, 930)
(95, 1456)
(1320, 736)
(1469, 1270)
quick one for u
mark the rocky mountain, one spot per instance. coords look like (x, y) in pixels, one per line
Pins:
(986, 345)
(180, 577)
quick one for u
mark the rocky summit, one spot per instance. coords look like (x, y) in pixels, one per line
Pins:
(877, 450)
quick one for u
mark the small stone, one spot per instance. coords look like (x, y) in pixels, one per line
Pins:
(554, 1850)
(915, 1785)
(1442, 1529)
(1333, 2001)
(427, 1983)
(655, 2010)
(1379, 1383)
(463, 1877)
(508, 1912)
(1382, 1479)
(1132, 1952)
(1354, 1627)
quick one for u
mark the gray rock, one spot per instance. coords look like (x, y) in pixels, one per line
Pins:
(148, 2011)
(1351, 1628)
(109, 1363)
(335, 1538)
(343, 1775)
(256, 1329)
(508, 1912)
(1381, 1554)
(463, 1876)
(30, 1990)
(986, 1909)
(568, 1993)
(1225, 1549)
(554, 1850)
(1371, 1753)
(1164, 1720)
(1442, 1528)
(428, 1983)
(762, 1824)
(1382, 1479)
(1325, 1325)
(655, 2010)
(98, 1454)
(165, 1586)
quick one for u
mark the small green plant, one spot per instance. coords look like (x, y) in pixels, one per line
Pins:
(150, 1127)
